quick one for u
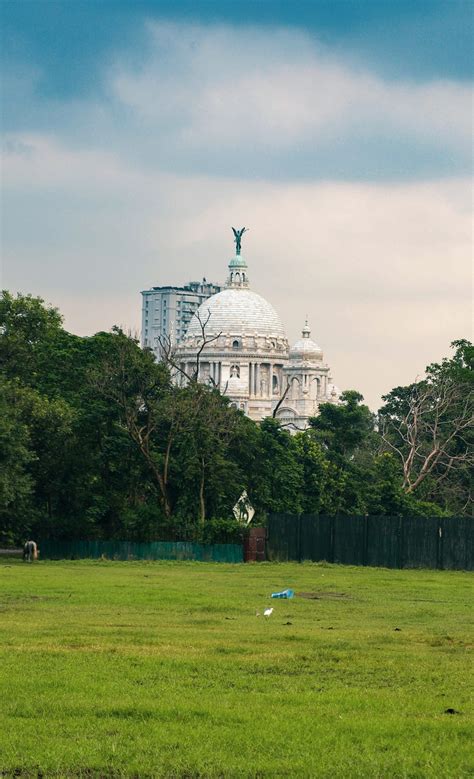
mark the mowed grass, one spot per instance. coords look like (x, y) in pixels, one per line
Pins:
(113, 669)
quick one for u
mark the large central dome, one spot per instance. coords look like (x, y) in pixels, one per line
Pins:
(237, 311)
(236, 343)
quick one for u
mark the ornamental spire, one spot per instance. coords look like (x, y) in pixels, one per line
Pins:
(237, 266)
(238, 238)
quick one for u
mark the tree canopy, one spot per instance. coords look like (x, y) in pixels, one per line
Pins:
(97, 441)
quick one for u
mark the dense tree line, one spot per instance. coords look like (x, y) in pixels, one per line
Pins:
(97, 441)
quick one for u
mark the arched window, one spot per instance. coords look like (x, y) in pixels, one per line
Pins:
(275, 384)
(235, 344)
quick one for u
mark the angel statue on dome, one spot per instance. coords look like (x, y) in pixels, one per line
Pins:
(238, 238)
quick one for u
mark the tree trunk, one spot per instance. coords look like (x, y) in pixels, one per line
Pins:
(202, 503)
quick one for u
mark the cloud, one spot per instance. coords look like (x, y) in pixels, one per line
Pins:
(354, 187)
(274, 103)
(382, 270)
(278, 88)
(261, 103)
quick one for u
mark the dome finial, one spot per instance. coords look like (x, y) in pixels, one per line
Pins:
(238, 238)
(237, 266)
(306, 331)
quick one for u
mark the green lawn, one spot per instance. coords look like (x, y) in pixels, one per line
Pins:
(115, 669)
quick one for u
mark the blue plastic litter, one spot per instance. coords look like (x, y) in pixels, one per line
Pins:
(283, 594)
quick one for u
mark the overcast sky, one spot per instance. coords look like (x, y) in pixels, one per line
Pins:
(339, 131)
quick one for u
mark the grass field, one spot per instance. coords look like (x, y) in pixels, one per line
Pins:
(164, 670)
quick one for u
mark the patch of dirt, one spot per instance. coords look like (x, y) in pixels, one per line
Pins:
(323, 595)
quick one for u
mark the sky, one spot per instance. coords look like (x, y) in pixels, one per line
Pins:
(135, 134)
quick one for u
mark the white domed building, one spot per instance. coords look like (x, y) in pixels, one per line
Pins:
(246, 354)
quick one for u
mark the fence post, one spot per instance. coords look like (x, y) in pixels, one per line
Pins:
(299, 538)
(365, 548)
(400, 543)
(332, 539)
(439, 546)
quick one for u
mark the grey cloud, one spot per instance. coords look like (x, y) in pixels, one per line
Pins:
(381, 270)
(267, 104)
(322, 161)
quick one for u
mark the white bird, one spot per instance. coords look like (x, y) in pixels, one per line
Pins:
(267, 612)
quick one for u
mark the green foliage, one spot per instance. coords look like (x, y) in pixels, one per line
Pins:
(344, 428)
(16, 456)
(98, 443)
(28, 331)
(277, 478)
(221, 531)
(429, 427)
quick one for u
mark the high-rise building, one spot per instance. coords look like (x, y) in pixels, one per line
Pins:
(167, 311)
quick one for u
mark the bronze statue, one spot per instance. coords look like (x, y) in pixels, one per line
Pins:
(238, 238)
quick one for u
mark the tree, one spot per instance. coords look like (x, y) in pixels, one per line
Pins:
(317, 490)
(211, 433)
(27, 330)
(345, 427)
(138, 386)
(16, 455)
(276, 477)
(428, 425)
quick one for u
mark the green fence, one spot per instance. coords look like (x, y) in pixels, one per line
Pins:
(391, 542)
(125, 550)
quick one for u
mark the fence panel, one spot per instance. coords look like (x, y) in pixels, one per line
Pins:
(393, 542)
(316, 538)
(128, 550)
(383, 542)
(457, 543)
(349, 540)
(283, 537)
(420, 542)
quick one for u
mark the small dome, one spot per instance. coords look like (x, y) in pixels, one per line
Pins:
(237, 262)
(305, 348)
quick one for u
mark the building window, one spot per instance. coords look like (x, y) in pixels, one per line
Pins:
(235, 371)
(235, 344)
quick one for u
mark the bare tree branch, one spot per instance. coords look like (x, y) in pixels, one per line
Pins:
(168, 351)
(429, 437)
(275, 410)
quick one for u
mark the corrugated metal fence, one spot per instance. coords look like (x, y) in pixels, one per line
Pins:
(391, 542)
(128, 550)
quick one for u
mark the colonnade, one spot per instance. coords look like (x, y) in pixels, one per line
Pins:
(257, 370)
